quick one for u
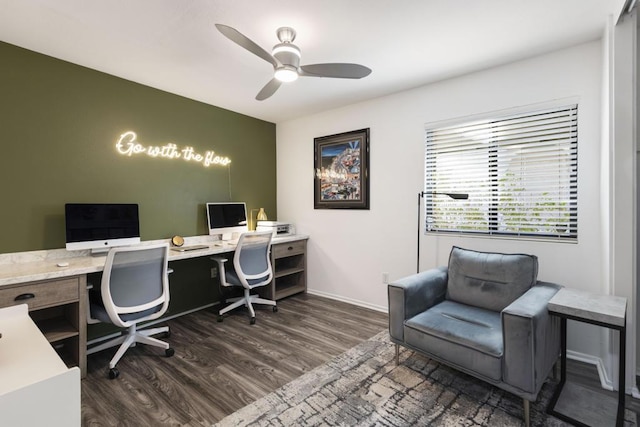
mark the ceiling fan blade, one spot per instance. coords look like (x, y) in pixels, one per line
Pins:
(268, 89)
(335, 70)
(243, 41)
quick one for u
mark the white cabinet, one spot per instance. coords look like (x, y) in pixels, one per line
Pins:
(36, 387)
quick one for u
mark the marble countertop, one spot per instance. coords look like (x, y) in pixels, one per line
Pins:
(23, 267)
(607, 309)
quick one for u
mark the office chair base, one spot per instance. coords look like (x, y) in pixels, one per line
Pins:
(113, 373)
(247, 300)
(130, 339)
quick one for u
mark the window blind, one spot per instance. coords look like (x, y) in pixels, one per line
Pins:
(520, 172)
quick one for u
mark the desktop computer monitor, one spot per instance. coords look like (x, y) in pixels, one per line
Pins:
(226, 218)
(100, 226)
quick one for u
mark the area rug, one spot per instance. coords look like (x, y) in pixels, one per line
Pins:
(364, 387)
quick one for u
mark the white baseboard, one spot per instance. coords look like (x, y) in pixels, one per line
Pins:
(605, 381)
(349, 300)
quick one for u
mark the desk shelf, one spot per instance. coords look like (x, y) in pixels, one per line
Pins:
(289, 262)
(57, 330)
(288, 271)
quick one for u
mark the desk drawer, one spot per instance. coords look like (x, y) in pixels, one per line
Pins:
(41, 294)
(287, 249)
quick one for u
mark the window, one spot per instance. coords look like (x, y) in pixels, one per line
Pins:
(520, 172)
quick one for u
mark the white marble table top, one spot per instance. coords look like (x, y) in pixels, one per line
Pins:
(607, 309)
(23, 267)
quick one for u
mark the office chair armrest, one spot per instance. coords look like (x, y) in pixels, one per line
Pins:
(221, 270)
(90, 319)
(219, 260)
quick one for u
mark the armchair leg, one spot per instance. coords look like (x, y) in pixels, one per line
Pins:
(554, 371)
(397, 354)
(525, 404)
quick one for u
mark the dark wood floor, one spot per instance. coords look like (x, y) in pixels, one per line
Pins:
(220, 367)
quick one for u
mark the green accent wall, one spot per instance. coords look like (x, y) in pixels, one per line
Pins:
(59, 124)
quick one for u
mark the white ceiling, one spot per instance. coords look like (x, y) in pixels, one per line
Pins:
(173, 45)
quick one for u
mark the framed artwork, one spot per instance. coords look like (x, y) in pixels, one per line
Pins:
(341, 175)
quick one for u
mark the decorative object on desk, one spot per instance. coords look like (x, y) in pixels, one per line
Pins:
(341, 176)
(260, 216)
(454, 196)
(177, 241)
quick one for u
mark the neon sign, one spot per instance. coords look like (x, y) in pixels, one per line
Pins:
(128, 145)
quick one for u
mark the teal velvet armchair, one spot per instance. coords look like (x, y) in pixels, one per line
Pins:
(484, 314)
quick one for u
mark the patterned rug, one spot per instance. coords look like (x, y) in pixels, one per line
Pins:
(364, 387)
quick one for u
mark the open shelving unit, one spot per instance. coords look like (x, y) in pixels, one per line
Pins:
(289, 263)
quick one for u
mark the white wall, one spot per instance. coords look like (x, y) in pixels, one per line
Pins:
(349, 250)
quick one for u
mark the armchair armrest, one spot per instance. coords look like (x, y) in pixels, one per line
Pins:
(531, 339)
(412, 295)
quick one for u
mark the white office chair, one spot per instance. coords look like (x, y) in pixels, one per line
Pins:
(251, 269)
(134, 289)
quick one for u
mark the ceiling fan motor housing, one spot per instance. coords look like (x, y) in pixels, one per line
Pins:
(287, 53)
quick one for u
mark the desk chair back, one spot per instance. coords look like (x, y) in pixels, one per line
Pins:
(135, 285)
(134, 288)
(251, 269)
(252, 261)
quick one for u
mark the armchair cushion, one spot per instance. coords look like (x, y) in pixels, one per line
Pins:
(460, 334)
(489, 280)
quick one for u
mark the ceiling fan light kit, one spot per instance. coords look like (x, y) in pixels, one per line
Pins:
(286, 74)
(285, 59)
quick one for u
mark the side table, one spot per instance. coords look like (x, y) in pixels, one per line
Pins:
(603, 310)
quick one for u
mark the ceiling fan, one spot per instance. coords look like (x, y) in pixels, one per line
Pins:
(285, 58)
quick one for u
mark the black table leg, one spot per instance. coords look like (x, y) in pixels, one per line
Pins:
(621, 374)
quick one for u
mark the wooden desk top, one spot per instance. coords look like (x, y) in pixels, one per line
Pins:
(23, 267)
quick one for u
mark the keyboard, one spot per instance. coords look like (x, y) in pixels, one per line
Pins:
(190, 248)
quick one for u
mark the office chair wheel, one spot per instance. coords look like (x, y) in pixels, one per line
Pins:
(220, 318)
(275, 309)
(169, 352)
(113, 373)
(252, 321)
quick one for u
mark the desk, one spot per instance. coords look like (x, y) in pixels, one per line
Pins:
(56, 296)
(602, 310)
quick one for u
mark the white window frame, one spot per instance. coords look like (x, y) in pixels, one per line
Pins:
(530, 187)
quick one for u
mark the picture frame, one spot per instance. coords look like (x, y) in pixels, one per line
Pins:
(341, 170)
